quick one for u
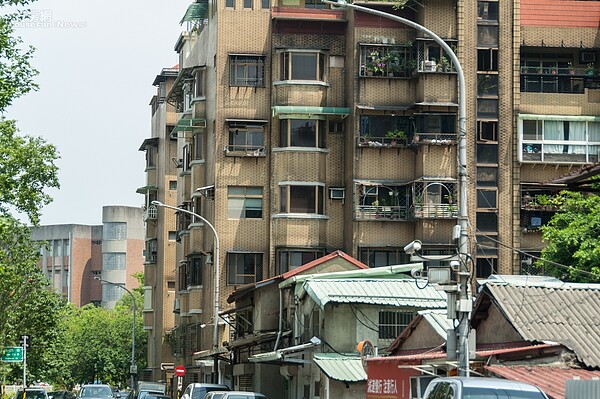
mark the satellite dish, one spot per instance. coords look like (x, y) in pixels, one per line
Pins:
(366, 350)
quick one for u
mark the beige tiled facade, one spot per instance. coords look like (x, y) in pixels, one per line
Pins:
(284, 196)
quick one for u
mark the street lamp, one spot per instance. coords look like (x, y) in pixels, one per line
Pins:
(465, 307)
(132, 368)
(216, 294)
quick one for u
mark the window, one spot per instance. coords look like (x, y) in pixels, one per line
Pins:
(114, 261)
(198, 88)
(572, 140)
(487, 130)
(247, 3)
(487, 199)
(151, 251)
(432, 58)
(485, 267)
(306, 198)
(487, 154)
(194, 273)
(198, 146)
(244, 268)
(247, 70)
(487, 36)
(487, 108)
(487, 85)
(172, 235)
(114, 231)
(487, 221)
(487, 176)
(487, 59)
(291, 258)
(378, 257)
(302, 65)
(391, 323)
(487, 11)
(150, 156)
(183, 218)
(265, 4)
(111, 292)
(230, 3)
(244, 202)
(302, 133)
(315, 4)
(172, 185)
(246, 137)
(244, 321)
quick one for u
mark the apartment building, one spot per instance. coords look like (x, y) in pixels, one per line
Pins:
(75, 254)
(160, 248)
(304, 128)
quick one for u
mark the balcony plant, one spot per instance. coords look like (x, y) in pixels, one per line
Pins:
(396, 136)
(443, 65)
(590, 70)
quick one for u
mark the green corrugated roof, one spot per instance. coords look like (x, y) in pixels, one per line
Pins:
(293, 109)
(385, 292)
(195, 12)
(339, 367)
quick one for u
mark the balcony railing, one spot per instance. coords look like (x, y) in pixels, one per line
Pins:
(434, 211)
(372, 212)
(238, 150)
(555, 80)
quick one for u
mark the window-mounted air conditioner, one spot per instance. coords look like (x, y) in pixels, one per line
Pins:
(337, 193)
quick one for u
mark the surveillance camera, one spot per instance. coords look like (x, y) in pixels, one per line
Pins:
(416, 273)
(413, 247)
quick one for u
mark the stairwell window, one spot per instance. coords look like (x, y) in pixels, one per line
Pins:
(244, 267)
(247, 70)
(302, 133)
(302, 65)
(302, 198)
(244, 202)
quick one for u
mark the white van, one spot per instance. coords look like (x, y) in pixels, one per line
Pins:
(234, 395)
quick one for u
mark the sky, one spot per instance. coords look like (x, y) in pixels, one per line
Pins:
(97, 61)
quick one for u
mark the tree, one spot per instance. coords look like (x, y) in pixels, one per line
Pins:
(573, 236)
(27, 169)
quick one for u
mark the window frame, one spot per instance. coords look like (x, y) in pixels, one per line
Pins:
(246, 196)
(287, 254)
(249, 130)
(288, 65)
(290, 194)
(247, 61)
(233, 275)
(290, 135)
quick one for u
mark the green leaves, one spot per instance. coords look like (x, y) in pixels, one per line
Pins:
(573, 236)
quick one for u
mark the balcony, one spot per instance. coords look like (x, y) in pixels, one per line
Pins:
(557, 79)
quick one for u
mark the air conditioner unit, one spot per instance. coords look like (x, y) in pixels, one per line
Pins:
(177, 305)
(337, 193)
(587, 57)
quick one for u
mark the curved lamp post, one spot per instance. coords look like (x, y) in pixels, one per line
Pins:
(463, 327)
(132, 368)
(216, 294)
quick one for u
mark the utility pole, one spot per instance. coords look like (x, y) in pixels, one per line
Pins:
(24, 339)
(463, 305)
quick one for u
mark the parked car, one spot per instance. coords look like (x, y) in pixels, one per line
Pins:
(61, 395)
(151, 395)
(31, 393)
(234, 395)
(481, 388)
(198, 390)
(95, 391)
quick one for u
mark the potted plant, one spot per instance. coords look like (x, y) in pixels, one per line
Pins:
(443, 65)
(396, 136)
(590, 70)
(570, 68)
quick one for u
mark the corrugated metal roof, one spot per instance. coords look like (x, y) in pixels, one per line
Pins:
(438, 320)
(341, 367)
(569, 316)
(551, 380)
(387, 292)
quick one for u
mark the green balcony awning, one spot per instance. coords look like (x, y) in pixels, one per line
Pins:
(189, 124)
(282, 110)
(195, 12)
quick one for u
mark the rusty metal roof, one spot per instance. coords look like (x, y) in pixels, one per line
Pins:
(551, 380)
(386, 292)
(570, 316)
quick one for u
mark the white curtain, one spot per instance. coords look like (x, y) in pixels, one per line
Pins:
(576, 133)
(553, 130)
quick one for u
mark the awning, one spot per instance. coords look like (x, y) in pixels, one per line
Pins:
(346, 368)
(145, 189)
(189, 124)
(153, 141)
(399, 107)
(283, 110)
(258, 121)
(195, 12)
(436, 104)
